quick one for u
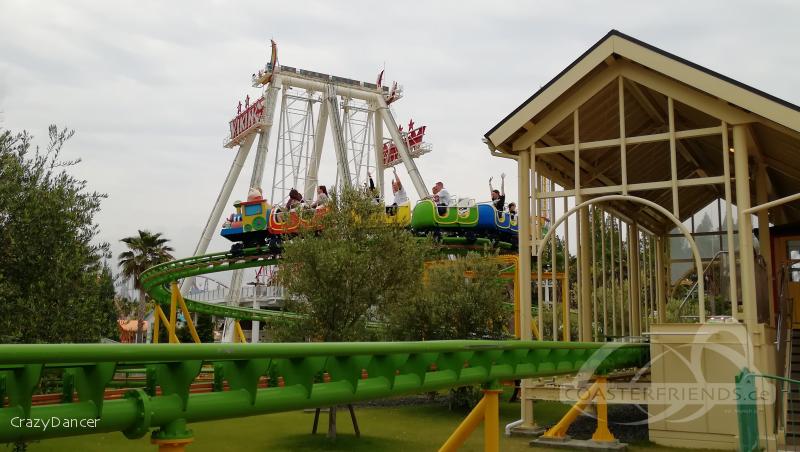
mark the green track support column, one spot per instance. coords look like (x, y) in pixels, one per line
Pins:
(173, 437)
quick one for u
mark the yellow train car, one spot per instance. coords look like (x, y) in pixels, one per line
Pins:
(400, 215)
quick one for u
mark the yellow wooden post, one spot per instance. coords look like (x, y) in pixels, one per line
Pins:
(517, 311)
(524, 270)
(565, 296)
(746, 260)
(633, 281)
(564, 319)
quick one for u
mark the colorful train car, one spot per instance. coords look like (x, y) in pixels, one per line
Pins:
(400, 215)
(470, 222)
(256, 223)
(248, 225)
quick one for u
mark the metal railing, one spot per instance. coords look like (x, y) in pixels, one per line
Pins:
(694, 286)
(760, 434)
(247, 293)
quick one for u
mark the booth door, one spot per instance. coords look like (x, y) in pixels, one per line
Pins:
(787, 253)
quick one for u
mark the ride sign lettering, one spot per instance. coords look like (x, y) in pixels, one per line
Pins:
(412, 139)
(245, 120)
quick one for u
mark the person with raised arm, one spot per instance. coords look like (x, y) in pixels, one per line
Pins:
(376, 197)
(400, 196)
(498, 196)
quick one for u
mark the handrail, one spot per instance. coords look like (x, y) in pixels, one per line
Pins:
(783, 307)
(694, 286)
(747, 401)
(785, 311)
(775, 377)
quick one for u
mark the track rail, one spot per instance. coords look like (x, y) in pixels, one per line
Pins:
(155, 281)
(300, 375)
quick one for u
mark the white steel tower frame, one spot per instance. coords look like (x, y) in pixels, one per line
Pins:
(296, 138)
(357, 128)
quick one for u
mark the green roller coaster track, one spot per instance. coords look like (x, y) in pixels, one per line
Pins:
(251, 379)
(300, 375)
(155, 280)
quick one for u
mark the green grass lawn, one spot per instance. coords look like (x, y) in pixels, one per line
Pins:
(404, 428)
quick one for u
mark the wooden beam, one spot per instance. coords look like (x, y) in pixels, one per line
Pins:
(673, 158)
(685, 94)
(623, 154)
(654, 112)
(656, 115)
(565, 108)
(720, 89)
(644, 186)
(633, 140)
(556, 89)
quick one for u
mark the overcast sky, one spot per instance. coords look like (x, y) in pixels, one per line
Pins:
(149, 86)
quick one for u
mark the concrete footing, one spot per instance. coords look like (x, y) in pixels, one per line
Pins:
(525, 430)
(572, 444)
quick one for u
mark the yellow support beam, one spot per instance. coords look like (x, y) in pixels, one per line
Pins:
(173, 313)
(467, 426)
(596, 392)
(602, 433)
(173, 339)
(560, 429)
(488, 411)
(176, 294)
(239, 333)
(156, 325)
(491, 420)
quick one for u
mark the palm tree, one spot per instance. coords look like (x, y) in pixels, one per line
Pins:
(144, 251)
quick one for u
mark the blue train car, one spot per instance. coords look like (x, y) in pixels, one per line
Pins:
(471, 222)
(492, 222)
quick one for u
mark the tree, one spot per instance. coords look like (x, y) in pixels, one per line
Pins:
(345, 271)
(144, 251)
(54, 286)
(460, 299)
(350, 270)
(205, 327)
